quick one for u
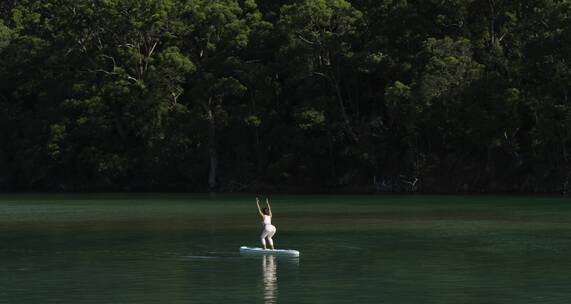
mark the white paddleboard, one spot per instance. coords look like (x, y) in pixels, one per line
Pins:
(246, 249)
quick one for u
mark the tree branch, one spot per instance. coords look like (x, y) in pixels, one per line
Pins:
(305, 39)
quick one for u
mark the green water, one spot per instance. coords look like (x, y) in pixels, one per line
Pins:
(354, 249)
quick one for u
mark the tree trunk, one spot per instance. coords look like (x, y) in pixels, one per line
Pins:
(258, 152)
(331, 157)
(346, 123)
(492, 28)
(566, 183)
(256, 138)
(212, 150)
(489, 168)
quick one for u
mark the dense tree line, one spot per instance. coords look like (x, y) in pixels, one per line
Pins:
(314, 95)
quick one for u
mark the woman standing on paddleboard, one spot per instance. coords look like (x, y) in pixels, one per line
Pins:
(269, 229)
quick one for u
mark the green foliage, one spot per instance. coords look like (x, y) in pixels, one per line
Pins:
(450, 67)
(310, 119)
(5, 36)
(441, 96)
(400, 104)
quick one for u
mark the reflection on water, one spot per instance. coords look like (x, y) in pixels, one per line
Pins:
(270, 280)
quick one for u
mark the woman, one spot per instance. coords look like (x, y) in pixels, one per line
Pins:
(269, 229)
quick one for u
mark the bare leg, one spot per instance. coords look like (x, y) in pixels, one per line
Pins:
(268, 232)
(271, 242)
(263, 238)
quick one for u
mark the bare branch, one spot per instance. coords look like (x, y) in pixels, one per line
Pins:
(206, 106)
(305, 39)
(323, 75)
(102, 71)
(502, 37)
(175, 96)
(112, 60)
(153, 48)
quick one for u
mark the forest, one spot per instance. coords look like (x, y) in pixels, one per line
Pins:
(328, 96)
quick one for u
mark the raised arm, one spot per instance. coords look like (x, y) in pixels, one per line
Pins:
(269, 208)
(259, 210)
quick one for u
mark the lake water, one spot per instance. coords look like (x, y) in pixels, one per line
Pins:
(354, 249)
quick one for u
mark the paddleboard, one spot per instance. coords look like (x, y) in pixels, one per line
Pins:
(256, 250)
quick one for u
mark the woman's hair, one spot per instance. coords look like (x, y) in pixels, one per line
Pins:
(266, 211)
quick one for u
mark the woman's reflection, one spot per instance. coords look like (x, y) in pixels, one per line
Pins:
(270, 279)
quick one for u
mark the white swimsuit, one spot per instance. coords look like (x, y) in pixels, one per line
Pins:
(267, 220)
(269, 230)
